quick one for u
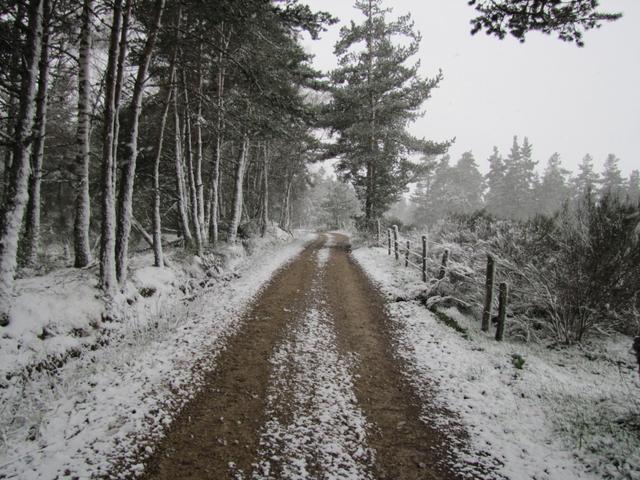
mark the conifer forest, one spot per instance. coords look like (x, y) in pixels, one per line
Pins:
(318, 239)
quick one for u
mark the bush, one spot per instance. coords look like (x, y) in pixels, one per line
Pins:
(569, 273)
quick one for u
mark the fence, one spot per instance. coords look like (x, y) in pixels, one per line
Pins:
(422, 260)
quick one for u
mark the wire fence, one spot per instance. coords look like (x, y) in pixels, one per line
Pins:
(434, 263)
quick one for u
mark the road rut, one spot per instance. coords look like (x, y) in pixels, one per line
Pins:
(308, 388)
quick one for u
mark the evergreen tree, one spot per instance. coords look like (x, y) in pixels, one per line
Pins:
(440, 197)
(553, 190)
(496, 193)
(569, 20)
(376, 94)
(528, 180)
(422, 200)
(515, 188)
(633, 187)
(466, 185)
(612, 181)
(585, 181)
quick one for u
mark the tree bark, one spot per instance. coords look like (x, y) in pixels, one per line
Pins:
(217, 157)
(193, 193)
(180, 183)
(125, 199)
(12, 101)
(32, 231)
(157, 220)
(81, 224)
(198, 167)
(237, 191)
(285, 215)
(122, 56)
(264, 218)
(108, 278)
(17, 193)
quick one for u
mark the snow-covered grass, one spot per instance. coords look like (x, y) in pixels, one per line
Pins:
(531, 411)
(88, 393)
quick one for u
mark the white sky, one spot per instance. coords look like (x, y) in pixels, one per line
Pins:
(566, 99)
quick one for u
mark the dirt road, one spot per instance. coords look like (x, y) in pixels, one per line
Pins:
(309, 388)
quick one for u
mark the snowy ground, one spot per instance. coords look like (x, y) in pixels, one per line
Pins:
(315, 423)
(565, 414)
(79, 390)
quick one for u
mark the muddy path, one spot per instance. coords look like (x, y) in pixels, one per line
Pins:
(307, 388)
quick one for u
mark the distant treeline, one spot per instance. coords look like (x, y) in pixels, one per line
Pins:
(513, 189)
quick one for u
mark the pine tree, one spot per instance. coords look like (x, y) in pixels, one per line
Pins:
(376, 94)
(422, 200)
(569, 20)
(633, 187)
(496, 192)
(586, 181)
(612, 183)
(441, 190)
(553, 190)
(466, 185)
(513, 181)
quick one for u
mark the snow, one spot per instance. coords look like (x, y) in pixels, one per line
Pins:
(78, 404)
(568, 413)
(315, 423)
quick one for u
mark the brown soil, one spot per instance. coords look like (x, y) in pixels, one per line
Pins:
(222, 424)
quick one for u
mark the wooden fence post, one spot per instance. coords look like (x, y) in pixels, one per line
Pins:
(389, 239)
(443, 267)
(502, 310)
(406, 254)
(395, 241)
(378, 232)
(424, 258)
(488, 296)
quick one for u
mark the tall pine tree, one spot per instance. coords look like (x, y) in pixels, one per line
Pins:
(496, 192)
(377, 93)
(553, 190)
(585, 182)
(467, 185)
(633, 187)
(612, 181)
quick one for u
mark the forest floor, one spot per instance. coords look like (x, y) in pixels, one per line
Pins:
(309, 387)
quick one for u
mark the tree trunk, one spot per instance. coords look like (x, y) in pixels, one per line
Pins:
(157, 221)
(193, 193)
(81, 224)
(198, 168)
(217, 157)
(108, 278)
(125, 199)
(12, 101)
(32, 232)
(17, 193)
(264, 220)
(285, 215)
(122, 56)
(237, 192)
(180, 183)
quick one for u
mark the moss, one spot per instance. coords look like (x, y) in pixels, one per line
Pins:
(517, 360)
(450, 322)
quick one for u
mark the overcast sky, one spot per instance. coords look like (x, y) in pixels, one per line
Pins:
(566, 99)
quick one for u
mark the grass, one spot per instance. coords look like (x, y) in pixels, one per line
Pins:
(451, 323)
